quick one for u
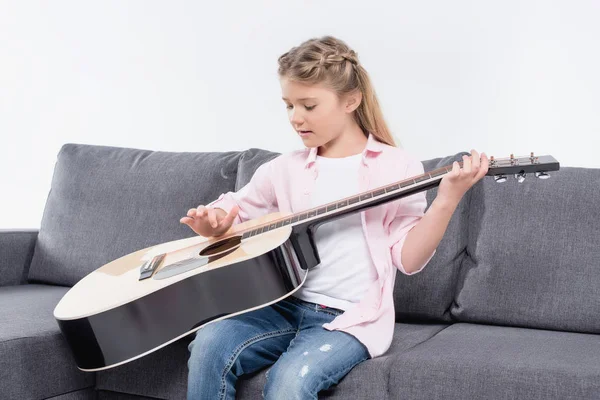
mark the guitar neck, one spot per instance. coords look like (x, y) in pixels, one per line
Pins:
(360, 202)
(363, 201)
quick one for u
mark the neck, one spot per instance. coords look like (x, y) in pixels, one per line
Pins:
(348, 143)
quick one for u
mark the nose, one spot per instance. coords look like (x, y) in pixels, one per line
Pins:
(296, 117)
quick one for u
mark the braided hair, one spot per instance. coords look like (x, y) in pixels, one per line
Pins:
(330, 61)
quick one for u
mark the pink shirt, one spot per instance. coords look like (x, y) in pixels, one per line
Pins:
(285, 184)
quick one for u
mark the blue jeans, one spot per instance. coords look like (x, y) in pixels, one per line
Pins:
(306, 357)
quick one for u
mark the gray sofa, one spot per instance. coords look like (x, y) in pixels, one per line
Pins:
(508, 308)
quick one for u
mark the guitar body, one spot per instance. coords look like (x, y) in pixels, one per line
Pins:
(111, 317)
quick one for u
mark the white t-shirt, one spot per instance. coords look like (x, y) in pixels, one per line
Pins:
(346, 268)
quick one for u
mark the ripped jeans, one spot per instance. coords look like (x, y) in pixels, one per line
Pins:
(305, 357)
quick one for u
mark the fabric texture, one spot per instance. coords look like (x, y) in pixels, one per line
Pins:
(470, 361)
(16, 248)
(106, 202)
(35, 361)
(533, 253)
(84, 394)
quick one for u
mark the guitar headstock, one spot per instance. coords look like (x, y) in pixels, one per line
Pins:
(500, 168)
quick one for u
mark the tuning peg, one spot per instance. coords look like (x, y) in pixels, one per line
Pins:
(520, 177)
(542, 175)
(500, 178)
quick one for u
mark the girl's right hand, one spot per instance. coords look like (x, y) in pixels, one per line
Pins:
(208, 221)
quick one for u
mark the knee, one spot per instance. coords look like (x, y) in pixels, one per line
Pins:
(208, 348)
(291, 381)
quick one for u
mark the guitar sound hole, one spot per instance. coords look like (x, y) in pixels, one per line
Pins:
(221, 246)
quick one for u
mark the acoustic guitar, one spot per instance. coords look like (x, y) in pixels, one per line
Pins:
(145, 300)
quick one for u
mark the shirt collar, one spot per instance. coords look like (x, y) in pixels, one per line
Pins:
(373, 145)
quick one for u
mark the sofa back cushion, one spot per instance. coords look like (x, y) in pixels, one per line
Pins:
(106, 202)
(250, 160)
(533, 255)
(428, 295)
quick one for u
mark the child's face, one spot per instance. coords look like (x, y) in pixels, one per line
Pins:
(317, 109)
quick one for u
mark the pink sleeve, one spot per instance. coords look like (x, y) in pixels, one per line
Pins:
(254, 200)
(410, 211)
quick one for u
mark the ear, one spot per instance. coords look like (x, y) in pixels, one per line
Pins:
(353, 101)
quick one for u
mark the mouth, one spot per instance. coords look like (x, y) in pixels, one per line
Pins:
(304, 133)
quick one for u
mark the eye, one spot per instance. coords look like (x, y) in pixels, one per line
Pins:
(307, 108)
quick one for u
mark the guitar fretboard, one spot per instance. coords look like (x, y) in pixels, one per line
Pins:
(346, 202)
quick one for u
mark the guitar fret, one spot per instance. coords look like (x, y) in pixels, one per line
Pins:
(353, 200)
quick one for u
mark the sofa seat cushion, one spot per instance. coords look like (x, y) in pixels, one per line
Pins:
(164, 374)
(471, 361)
(35, 360)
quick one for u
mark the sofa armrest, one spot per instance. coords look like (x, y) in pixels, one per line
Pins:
(16, 252)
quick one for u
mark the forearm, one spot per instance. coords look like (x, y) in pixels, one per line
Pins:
(426, 235)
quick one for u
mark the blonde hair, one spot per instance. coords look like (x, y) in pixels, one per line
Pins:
(330, 61)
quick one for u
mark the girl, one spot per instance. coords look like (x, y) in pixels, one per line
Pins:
(344, 312)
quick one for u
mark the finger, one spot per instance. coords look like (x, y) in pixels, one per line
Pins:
(186, 220)
(466, 164)
(485, 165)
(475, 163)
(228, 220)
(212, 217)
(200, 211)
(455, 170)
(191, 212)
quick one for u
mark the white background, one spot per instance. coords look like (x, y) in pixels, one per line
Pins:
(498, 76)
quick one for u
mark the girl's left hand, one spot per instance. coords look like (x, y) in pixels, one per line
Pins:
(456, 183)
